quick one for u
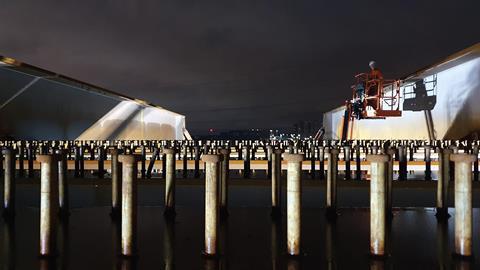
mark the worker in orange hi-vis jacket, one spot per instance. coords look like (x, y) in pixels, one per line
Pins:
(375, 73)
(373, 89)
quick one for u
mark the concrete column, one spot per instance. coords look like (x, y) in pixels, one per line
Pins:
(321, 158)
(402, 163)
(443, 182)
(77, 161)
(463, 203)
(211, 203)
(82, 161)
(428, 163)
(2, 171)
(276, 181)
(269, 153)
(358, 161)
(475, 163)
(347, 150)
(206, 148)
(48, 204)
(30, 154)
(290, 148)
(389, 185)
(169, 182)
(294, 203)
(164, 165)
(378, 165)
(254, 151)
(21, 157)
(9, 183)
(332, 174)
(91, 149)
(246, 162)
(129, 203)
(185, 161)
(63, 199)
(43, 149)
(155, 156)
(116, 168)
(312, 160)
(143, 169)
(101, 161)
(239, 149)
(197, 161)
(411, 151)
(225, 168)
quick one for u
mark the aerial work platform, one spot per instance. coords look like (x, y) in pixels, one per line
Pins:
(436, 102)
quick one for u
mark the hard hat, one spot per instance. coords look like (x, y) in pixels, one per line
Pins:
(372, 64)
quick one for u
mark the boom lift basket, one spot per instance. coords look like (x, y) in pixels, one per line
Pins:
(374, 98)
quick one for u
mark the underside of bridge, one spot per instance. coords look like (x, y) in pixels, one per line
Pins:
(39, 104)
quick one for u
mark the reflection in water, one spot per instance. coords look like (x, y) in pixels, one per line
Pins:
(63, 242)
(116, 242)
(377, 264)
(211, 264)
(330, 241)
(388, 239)
(382, 263)
(169, 244)
(276, 237)
(293, 264)
(128, 264)
(336, 245)
(463, 264)
(223, 245)
(219, 262)
(443, 253)
(47, 264)
(8, 246)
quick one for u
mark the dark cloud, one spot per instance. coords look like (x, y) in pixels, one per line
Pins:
(234, 64)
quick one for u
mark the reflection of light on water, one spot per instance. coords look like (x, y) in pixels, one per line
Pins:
(293, 264)
(377, 264)
(275, 236)
(128, 264)
(463, 264)
(169, 245)
(46, 264)
(211, 264)
(9, 245)
(417, 237)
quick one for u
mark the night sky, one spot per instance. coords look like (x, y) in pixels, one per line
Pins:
(235, 64)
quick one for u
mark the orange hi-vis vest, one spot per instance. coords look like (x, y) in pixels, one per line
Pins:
(376, 74)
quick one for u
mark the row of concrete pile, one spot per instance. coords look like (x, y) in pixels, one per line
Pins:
(246, 152)
(124, 173)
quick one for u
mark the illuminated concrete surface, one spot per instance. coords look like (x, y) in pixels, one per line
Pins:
(40, 104)
(455, 115)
